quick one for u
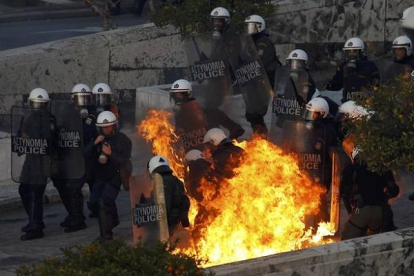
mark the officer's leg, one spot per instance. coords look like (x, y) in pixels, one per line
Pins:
(388, 219)
(108, 213)
(257, 122)
(376, 220)
(76, 197)
(60, 185)
(93, 200)
(357, 224)
(36, 213)
(24, 193)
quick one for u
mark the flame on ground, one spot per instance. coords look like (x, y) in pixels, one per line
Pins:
(262, 210)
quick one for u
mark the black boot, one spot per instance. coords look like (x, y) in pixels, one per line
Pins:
(31, 235)
(63, 191)
(105, 220)
(67, 221)
(78, 221)
(36, 225)
(28, 227)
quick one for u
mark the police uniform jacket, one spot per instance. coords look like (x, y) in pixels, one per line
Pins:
(227, 157)
(356, 77)
(120, 154)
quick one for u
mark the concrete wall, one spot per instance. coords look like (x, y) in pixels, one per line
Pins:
(145, 56)
(379, 255)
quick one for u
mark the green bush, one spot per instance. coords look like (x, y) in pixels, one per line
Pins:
(192, 16)
(116, 258)
(386, 139)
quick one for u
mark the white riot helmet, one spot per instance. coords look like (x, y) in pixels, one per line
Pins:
(316, 109)
(352, 110)
(354, 49)
(297, 60)
(254, 24)
(156, 162)
(405, 43)
(81, 94)
(181, 91)
(214, 136)
(193, 155)
(219, 18)
(38, 98)
(106, 118)
(102, 93)
(407, 20)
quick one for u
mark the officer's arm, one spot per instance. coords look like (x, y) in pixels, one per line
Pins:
(392, 189)
(122, 155)
(347, 181)
(234, 128)
(337, 82)
(375, 77)
(89, 148)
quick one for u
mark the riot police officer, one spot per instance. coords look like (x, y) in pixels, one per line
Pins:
(365, 191)
(192, 120)
(110, 151)
(357, 75)
(256, 27)
(176, 201)
(403, 51)
(82, 97)
(40, 124)
(226, 156)
(198, 168)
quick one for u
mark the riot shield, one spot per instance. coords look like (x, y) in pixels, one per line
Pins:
(308, 142)
(391, 71)
(190, 125)
(67, 158)
(291, 93)
(252, 81)
(149, 213)
(209, 69)
(32, 141)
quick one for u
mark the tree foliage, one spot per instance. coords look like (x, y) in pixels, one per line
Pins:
(192, 16)
(116, 258)
(386, 138)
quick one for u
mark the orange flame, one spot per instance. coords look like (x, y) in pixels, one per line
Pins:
(262, 210)
(157, 129)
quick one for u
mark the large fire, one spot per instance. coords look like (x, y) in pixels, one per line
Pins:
(264, 209)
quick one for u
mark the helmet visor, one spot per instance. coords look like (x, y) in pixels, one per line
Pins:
(82, 99)
(218, 23)
(296, 64)
(103, 99)
(179, 97)
(251, 28)
(353, 55)
(309, 115)
(37, 104)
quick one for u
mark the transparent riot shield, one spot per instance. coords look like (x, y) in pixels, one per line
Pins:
(290, 97)
(67, 161)
(32, 140)
(252, 81)
(209, 69)
(149, 213)
(391, 72)
(308, 142)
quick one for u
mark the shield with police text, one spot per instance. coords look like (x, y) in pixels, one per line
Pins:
(33, 132)
(67, 157)
(149, 213)
(308, 142)
(289, 100)
(249, 73)
(209, 69)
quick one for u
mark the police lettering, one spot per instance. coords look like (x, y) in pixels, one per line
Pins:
(29, 145)
(208, 70)
(358, 95)
(68, 139)
(248, 72)
(148, 214)
(286, 106)
(193, 138)
(310, 161)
